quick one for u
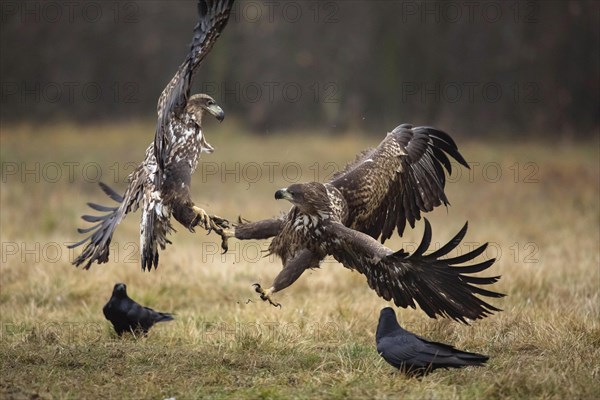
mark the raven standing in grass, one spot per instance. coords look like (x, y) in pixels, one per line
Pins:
(414, 355)
(127, 315)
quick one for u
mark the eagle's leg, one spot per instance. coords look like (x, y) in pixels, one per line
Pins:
(213, 223)
(265, 295)
(191, 216)
(290, 273)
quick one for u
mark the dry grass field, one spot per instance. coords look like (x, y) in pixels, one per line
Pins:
(537, 204)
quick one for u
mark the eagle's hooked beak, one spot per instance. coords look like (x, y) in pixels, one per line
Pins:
(283, 194)
(216, 112)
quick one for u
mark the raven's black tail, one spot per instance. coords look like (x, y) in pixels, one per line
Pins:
(164, 317)
(441, 355)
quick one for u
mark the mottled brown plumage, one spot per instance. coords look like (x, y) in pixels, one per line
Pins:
(161, 183)
(373, 196)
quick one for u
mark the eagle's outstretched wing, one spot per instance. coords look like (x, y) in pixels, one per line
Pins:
(213, 15)
(97, 250)
(439, 286)
(393, 183)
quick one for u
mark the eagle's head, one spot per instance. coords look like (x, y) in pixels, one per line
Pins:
(310, 198)
(120, 290)
(198, 104)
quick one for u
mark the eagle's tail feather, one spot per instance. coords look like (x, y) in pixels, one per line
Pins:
(440, 286)
(97, 248)
(154, 228)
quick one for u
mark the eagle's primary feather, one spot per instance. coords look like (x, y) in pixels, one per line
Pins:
(161, 183)
(373, 196)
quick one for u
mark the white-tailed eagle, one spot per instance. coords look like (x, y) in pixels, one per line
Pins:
(371, 198)
(161, 183)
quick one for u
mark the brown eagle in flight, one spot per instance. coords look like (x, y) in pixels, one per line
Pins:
(161, 183)
(371, 198)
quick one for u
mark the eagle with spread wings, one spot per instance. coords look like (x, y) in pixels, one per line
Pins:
(377, 194)
(161, 183)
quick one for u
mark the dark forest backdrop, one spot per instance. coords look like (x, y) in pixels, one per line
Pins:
(476, 67)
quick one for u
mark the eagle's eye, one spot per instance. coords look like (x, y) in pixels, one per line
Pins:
(211, 103)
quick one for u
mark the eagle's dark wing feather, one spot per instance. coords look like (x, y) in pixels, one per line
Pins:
(97, 248)
(394, 183)
(439, 286)
(213, 15)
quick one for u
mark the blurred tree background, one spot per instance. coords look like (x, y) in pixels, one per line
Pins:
(471, 67)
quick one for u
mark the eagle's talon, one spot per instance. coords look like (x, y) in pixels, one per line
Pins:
(275, 304)
(195, 222)
(202, 217)
(224, 245)
(222, 222)
(222, 228)
(265, 295)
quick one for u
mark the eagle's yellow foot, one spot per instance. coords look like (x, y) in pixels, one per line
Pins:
(202, 218)
(265, 295)
(223, 228)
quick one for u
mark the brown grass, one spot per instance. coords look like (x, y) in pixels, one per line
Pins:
(55, 343)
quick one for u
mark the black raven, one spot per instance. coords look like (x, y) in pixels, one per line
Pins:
(127, 315)
(414, 355)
